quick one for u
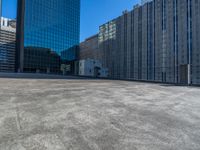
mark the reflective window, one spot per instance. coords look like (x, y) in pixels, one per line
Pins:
(52, 24)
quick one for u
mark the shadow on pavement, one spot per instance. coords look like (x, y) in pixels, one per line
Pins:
(41, 76)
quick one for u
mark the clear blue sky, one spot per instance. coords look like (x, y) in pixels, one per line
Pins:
(93, 13)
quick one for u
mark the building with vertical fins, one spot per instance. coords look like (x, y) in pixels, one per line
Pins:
(43, 28)
(145, 1)
(157, 41)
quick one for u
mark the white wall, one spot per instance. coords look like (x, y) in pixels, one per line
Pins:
(87, 68)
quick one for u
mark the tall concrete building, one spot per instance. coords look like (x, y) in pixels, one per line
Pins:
(89, 48)
(157, 41)
(90, 58)
(7, 45)
(145, 1)
(46, 24)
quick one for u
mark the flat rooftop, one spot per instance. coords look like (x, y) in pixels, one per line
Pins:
(79, 114)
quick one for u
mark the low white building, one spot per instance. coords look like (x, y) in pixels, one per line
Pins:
(92, 68)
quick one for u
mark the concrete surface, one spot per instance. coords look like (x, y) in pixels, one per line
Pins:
(71, 114)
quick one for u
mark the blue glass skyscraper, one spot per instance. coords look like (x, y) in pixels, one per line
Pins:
(47, 24)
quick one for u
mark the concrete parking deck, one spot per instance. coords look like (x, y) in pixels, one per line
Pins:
(71, 114)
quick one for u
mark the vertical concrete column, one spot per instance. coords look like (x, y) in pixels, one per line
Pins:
(164, 40)
(189, 30)
(175, 42)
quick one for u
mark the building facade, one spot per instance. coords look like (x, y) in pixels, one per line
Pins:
(7, 45)
(90, 58)
(47, 24)
(157, 41)
(69, 60)
(89, 49)
(41, 60)
(145, 1)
